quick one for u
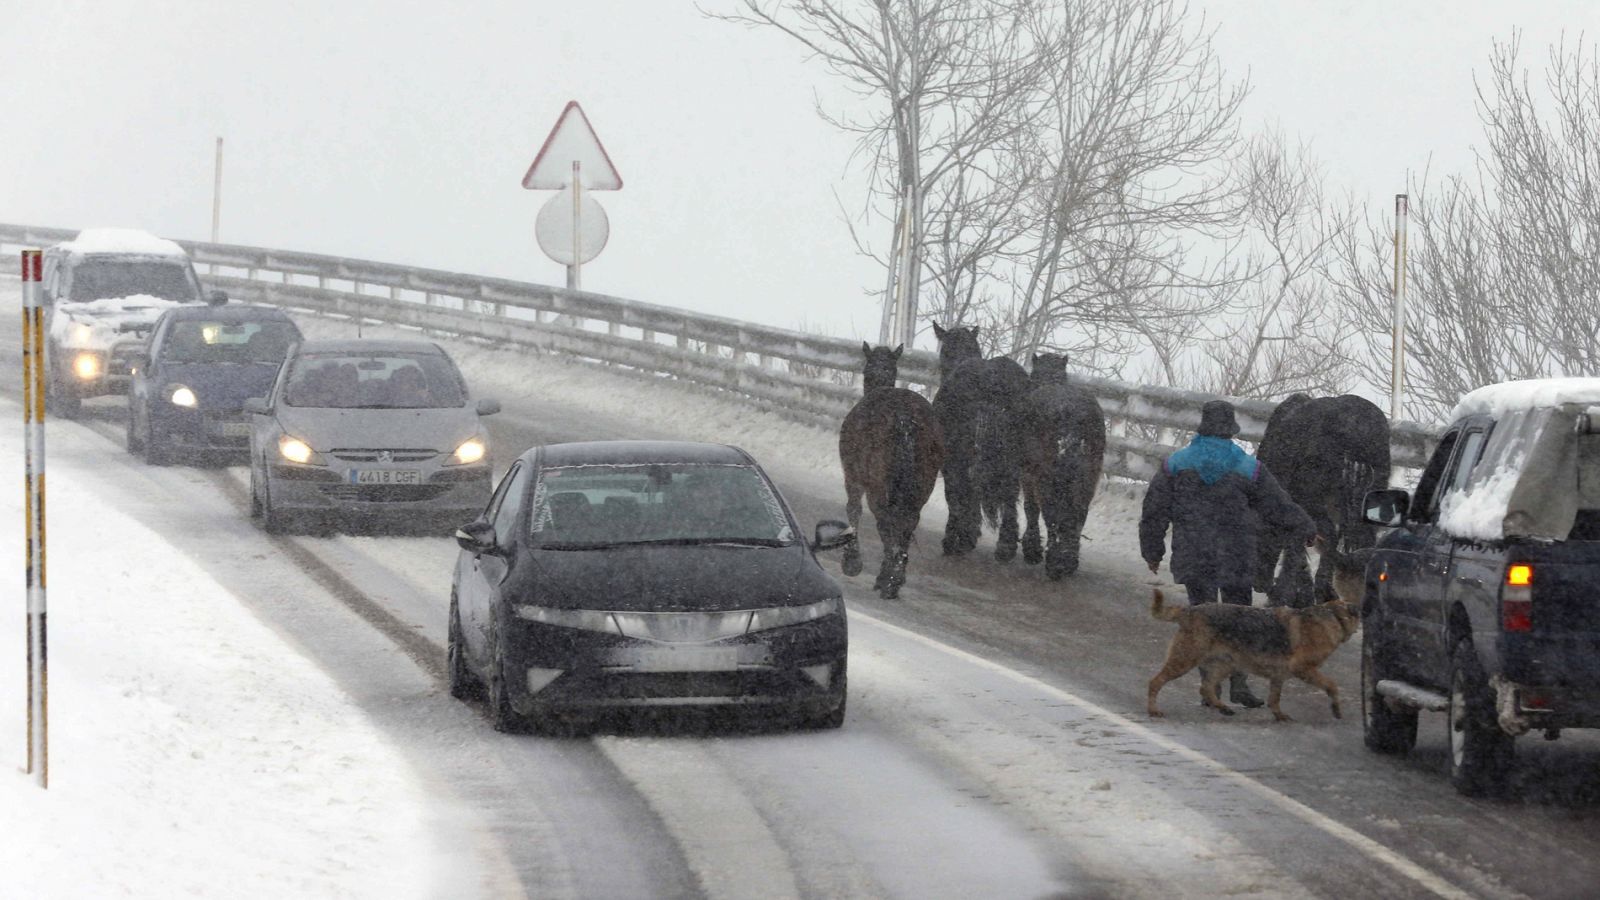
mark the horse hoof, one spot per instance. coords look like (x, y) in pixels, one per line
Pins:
(1032, 555)
(850, 566)
(1005, 553)
(889, 592)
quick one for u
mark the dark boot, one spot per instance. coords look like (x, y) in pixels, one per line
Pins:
(1239, 692)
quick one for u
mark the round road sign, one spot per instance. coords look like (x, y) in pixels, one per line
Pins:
(554, 229)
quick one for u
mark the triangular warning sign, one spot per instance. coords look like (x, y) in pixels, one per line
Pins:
(572, 140)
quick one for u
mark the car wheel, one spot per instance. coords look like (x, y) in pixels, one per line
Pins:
(273, 521)
(463, 684)
(1384, 728)
(834, 717)
(1480, 753)
(156, 451)
(255, 493)
(135, 446)
(502, 715)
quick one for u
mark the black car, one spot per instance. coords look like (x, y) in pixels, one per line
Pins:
(644, 574)
(190, 383)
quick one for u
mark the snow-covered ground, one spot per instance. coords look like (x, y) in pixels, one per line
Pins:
(193, 752)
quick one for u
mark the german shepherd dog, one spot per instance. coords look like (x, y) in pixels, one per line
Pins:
(1276, 643)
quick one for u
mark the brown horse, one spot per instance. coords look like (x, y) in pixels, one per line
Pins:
(1063, 437)
(891, 448)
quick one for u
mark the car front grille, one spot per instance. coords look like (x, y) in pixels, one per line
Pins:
(385, 493)
(374, 455)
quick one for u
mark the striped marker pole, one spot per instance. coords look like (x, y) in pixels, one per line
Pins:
(33, 369)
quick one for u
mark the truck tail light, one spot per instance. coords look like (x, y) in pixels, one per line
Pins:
(1516, 598)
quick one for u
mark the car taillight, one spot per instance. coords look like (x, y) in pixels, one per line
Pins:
(1516, 598)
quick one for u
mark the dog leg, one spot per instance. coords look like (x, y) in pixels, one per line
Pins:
(1310, 675)
(1274, 693)
(1172, 670)
(1209, 681)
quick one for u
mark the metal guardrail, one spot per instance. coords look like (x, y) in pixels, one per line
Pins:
(811, 378)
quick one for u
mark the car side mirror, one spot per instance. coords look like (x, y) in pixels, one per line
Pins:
(216, 297)
(476, 537)
(139, 361)
(1386, 507)
(256, 406)
(488, 407)
(832, 534)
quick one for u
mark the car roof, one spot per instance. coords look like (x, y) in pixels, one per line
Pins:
(232, 312)
(120, 242)
(613, 453)
(1539, 393)
(365, 346)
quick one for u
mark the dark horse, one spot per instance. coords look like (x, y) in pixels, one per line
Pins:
(1327, 452)
(1063, 437)
(890, 447)
(983, 463)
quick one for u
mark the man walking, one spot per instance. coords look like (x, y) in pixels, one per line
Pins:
(1215, 497)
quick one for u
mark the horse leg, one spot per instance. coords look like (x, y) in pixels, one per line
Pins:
(1032, 550)
(960, 531)
(1322, 586)
(891, 574)
(1005, 547)
(851, 563)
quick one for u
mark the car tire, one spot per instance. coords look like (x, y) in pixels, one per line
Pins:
(135, 446)
(273, 521)
(833, 718)
(1480, 753)
(1384, 728)
(157, 453)
(255, 494)
(502, 715)
(463, 684)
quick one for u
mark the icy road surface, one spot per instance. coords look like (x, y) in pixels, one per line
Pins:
(995, 744)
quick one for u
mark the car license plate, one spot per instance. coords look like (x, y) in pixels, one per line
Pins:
(234, 429)
(385, 476)
(686, 659)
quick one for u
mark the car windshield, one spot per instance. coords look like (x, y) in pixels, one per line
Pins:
(202, 341)
(374, 381)
(102, 279)
(583, 507)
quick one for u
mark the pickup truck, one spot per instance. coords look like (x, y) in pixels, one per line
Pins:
(103, 292)
(1483, 601)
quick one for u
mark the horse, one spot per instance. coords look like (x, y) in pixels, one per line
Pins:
(1327, 452)
(890, 448)
(1063, 439)
(982, 469)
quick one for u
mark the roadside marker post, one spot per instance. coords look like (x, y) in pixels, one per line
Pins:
(33, 369)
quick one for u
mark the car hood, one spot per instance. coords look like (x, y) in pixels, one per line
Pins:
(220, 387)
(415, 429)
(105, 322)
(670, 578)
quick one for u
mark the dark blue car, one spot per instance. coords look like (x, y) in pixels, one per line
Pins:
(189, 387)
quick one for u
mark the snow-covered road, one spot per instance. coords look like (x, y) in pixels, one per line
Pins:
(992, 748)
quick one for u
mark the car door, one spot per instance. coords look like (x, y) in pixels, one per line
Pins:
(143, 381)
(479, 575)
(1449, 568)
(1414, 558)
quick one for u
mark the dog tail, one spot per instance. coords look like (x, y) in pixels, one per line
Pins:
(1160, 611)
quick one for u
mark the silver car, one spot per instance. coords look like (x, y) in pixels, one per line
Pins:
(368, 433)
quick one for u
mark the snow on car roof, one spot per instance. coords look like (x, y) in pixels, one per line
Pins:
(1539, 393)
(121, 240)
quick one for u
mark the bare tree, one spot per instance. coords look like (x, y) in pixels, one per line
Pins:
(942, 81)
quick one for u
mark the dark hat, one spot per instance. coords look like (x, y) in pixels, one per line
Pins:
(1216, 419)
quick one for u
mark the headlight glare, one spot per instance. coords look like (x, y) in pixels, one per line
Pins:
(82, 334)
(780, 616)
(183, 396)
(86, 366)
(295, 450)
(469, 452)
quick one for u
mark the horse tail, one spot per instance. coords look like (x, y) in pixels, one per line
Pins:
(1355, 480)
(903, 483)
(1066, 470)
(1160, 611)
(992, 451)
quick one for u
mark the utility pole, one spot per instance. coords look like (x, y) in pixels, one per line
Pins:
(216, 197)
(1397, 376)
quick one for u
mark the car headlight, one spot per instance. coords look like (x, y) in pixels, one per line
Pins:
(470, 451)
(296, 450)
(780, 616)
(586, 619)
(81, 334)
(183, 396)
(87, 366)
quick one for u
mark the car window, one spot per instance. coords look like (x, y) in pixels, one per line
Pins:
(96, 279)
(1423, 505)
(1471, 452)
(211, 341)
(374, 381)
(508, 506)
(654, 503)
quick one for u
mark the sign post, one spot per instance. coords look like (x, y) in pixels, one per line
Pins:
(33, 370)
(572, 159)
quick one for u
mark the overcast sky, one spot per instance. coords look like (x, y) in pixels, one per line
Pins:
(400, 131)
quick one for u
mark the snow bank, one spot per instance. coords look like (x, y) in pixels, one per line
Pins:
(193, 753)
(1499, 399)
(121, 240)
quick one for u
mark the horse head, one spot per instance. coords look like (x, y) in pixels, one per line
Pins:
(882, 366)
(1049, 368)
(956, 346)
